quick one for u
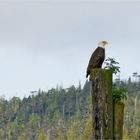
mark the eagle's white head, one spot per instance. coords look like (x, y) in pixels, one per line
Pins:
(102, 44)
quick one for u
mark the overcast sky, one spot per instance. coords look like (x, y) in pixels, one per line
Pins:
(49, 42)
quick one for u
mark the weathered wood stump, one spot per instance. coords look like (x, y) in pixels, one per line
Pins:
(118, 120)
(102, 112)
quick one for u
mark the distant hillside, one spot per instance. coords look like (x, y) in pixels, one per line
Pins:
(63, 114)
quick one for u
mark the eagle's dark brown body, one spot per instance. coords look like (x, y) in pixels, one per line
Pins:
(96, 59)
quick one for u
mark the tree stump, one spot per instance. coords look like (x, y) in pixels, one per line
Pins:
(118, 120)
(102, 111)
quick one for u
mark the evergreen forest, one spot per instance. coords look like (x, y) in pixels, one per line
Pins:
(63, 114)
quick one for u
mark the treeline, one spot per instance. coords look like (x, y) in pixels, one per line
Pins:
(63, 114)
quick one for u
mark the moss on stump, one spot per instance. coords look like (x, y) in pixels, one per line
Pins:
(102, 112)
(118, 120)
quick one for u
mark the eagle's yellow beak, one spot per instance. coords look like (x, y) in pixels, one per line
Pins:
(105, 42)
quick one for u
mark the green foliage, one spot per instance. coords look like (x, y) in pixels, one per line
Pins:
(112, 64)
(71, 133)
(119, 93)
(87, 132)
(42, 135)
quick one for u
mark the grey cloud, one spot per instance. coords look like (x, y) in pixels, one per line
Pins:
(39, 38)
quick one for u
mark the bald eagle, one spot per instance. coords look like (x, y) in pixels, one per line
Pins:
(97, 58)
